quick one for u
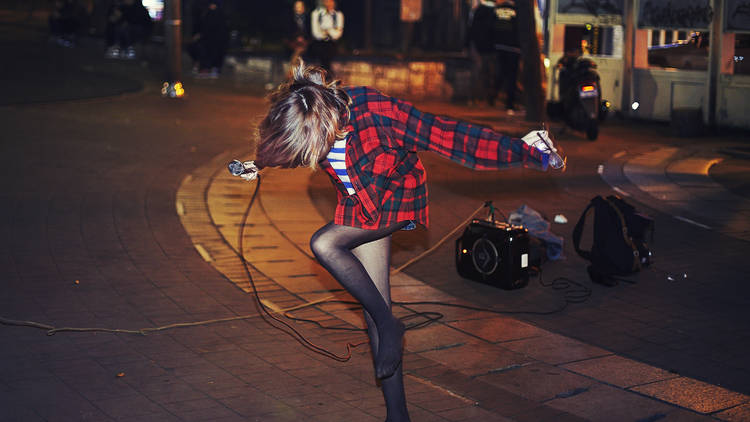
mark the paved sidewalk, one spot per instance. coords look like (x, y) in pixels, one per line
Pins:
(544, 370)
(117, 212)
(36, 71)
(676, 181)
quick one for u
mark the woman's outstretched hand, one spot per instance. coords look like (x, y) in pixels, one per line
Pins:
(541, 140)
(246, 170)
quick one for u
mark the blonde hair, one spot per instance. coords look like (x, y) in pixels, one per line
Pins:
(307, 114)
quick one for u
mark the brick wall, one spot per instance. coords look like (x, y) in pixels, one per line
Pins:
(418, 80)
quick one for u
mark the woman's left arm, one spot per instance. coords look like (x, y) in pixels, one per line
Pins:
(471, 145)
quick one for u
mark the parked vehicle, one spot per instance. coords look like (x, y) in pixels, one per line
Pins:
(691, 54)
(742, 54)
(579, 91)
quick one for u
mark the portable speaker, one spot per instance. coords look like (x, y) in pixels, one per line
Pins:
(494, 253)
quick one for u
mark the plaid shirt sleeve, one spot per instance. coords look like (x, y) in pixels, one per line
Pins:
(470, 145)
(385, 170)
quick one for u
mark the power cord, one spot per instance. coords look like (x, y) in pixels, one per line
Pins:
(266, 315)
(575, 293)
(262, 310)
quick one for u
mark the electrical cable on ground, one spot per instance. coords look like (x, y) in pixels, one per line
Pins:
(265, 313)
(575, 293)
(438, 244)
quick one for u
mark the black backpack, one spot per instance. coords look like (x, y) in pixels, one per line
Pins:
(619, 245)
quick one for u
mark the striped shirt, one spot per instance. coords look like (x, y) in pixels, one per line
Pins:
(337, 158)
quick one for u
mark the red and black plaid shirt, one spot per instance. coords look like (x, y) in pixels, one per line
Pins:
(382, 162)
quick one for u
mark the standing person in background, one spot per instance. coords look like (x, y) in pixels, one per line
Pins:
(508, 52)
(210, 40)
(482, 33)
(298, 33)
(128, 22)
(65, 21)
(327, 26)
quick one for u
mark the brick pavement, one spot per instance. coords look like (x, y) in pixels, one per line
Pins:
(542, 369)
(89, 195)
(692, 326)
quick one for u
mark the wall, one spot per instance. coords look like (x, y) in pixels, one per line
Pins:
(418, 80)
(733, 106)
(659, 91)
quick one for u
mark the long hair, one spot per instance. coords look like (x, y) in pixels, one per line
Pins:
(307, 114)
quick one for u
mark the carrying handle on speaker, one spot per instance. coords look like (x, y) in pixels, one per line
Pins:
(491, 212)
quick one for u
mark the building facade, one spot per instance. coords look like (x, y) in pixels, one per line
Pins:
(657, 57)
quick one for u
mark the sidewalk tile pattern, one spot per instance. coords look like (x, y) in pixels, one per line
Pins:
(470, 364)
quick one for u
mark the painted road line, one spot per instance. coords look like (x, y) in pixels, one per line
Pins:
(203, 252)
(689, 221)
(438, 387)
(620, 191)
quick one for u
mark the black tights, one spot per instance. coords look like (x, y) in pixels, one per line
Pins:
(359, 259)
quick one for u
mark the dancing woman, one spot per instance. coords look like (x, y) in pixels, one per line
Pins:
(367, 142)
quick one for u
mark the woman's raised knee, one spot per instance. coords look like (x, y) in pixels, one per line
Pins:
(322, 242)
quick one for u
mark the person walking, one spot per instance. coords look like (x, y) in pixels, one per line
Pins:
(508, 52)
(482, 34)
(367, 143)
(65, 21)
(298, 32)
(210, 40)
(128, 22)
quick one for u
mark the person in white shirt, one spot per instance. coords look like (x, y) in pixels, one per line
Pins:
(327, 27)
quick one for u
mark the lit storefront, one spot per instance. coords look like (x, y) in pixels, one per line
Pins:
(593, 29)
(734, 81)
(671, 57)
(689, 55)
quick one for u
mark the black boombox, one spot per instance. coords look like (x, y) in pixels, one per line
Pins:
(494, 253)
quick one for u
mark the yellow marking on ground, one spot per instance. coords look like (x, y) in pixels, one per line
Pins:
(710, 164)
(443, 389)
(203, 252)
(270, 305)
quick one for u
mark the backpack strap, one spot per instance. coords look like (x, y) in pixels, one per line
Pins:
(625, 237)
(578, 231)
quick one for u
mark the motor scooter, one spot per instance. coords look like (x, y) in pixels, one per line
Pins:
(580, 100)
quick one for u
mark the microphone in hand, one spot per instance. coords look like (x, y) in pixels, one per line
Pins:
(244, 169)
(541, 140)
